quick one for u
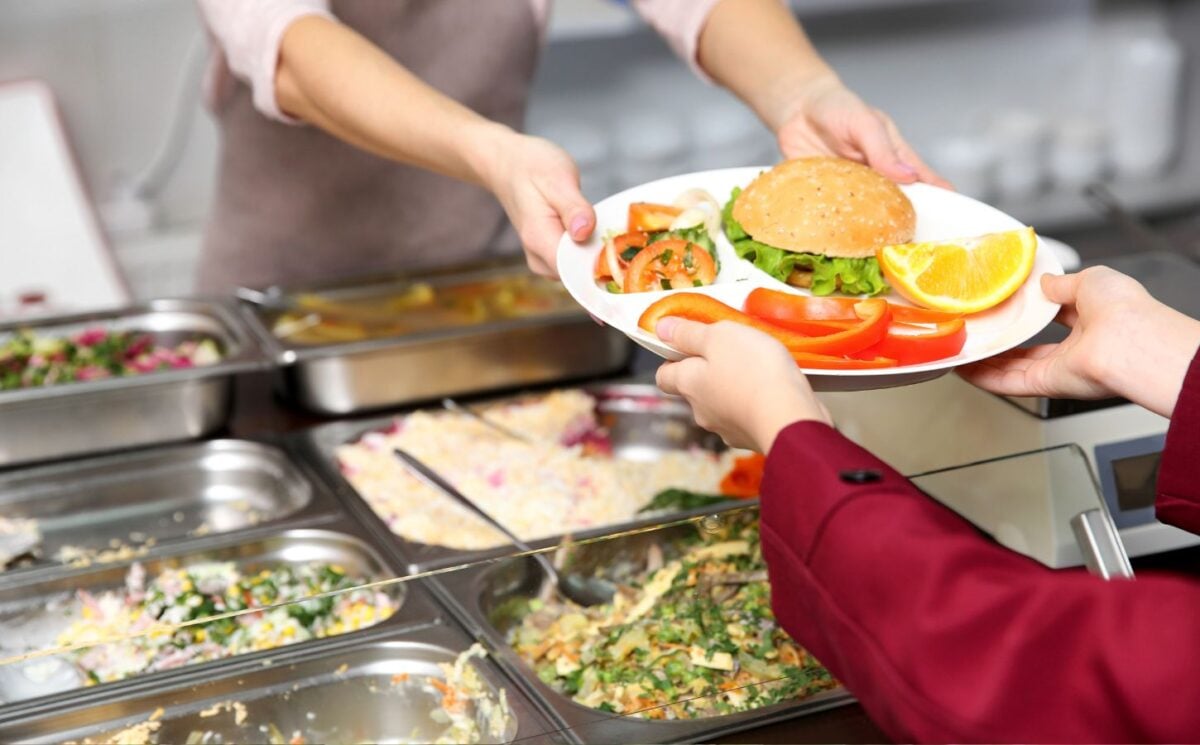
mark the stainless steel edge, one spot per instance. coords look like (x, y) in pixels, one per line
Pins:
(290, 668)
(461, 592)
(89, 479)
(524, 354)
(1100, 543)
(74, 419)
(330, 540)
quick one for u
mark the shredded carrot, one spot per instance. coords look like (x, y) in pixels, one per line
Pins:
(399, 678)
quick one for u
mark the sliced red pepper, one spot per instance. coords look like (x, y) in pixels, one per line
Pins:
(744, 480)
(650, 217)
(868, 324)
(912, 345)
(702, 308)
(909, 314)
(670, 264)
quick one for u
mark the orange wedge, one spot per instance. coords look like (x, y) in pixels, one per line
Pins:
(963, 276)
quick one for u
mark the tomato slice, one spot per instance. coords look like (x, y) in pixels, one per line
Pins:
(912, 345)
(702, 308)
(670, 264)
(611, 262)
(744, 480)
(600, 271)
(650, 217)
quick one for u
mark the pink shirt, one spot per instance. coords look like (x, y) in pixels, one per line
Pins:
(247, 37)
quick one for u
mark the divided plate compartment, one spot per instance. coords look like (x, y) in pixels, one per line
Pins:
(339, 692)
(642, 421)
(150, 503)
(474, 593)
(34, 613)
(941, 215)
(80, 418)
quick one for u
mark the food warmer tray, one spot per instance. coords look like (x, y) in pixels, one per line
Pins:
(340, 692)
(474, 593)
(147, 502)
(353, 376)
(641, 421)
(29, 619)
(116, 413)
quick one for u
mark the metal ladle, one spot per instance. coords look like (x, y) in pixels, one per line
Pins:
(583, 591)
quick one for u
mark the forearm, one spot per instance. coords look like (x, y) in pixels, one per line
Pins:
(756, 49)
(330, 76)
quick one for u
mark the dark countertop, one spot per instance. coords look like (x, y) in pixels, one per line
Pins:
(259, 411)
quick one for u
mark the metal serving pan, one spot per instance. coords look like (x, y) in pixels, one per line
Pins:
(122, 506)
(337, 693)
(341, 378)
(33, 614)
(641, 420)
(116, 413)
(475, 594)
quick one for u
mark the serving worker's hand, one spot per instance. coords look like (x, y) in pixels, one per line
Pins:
(740, 383)
(782, 77)
(1123, 342)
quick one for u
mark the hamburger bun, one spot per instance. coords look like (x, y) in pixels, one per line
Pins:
(825, 206)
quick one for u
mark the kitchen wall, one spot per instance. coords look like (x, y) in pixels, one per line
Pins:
(123, 69)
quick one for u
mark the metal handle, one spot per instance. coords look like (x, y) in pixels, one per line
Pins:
(429, 476)
(1103, 553)
(451, 405)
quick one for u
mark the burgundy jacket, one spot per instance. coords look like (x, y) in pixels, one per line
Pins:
(945, 636)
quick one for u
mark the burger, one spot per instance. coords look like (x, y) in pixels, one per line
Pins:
(817, 223)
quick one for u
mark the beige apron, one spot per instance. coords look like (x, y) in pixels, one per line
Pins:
(295, 205)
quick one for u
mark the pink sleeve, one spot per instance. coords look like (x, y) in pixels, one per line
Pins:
(680, 23)
(946, 637)
(249, 34)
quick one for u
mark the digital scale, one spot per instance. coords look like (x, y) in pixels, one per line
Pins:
(1072, 454)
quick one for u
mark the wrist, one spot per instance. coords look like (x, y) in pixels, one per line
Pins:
(1149, 363)
(485, 145)
(779, 417)
(789, 96)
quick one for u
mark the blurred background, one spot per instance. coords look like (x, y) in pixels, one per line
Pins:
(1019, 102)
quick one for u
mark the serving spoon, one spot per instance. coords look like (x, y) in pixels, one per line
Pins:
(585, 591)
(450, 404)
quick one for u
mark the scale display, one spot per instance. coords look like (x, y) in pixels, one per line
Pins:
(1128, 477)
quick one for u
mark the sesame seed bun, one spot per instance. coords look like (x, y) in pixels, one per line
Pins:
(825, 206)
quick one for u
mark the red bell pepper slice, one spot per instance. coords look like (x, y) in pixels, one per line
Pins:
(861, 361)
(859, 323)
(702, 308)
(913, 345)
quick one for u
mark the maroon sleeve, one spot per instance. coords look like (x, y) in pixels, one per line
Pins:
(1178, 501)
(944, 635)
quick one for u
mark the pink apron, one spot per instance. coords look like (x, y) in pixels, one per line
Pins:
(295, 205)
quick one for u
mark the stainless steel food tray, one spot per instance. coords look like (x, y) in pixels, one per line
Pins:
(103, 415)
(376, 373)
(147, 501)
(473, 594)
(337, 693)
(33, 614)
(641, 420)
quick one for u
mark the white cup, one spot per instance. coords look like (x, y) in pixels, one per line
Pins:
(1020, 139)
(968, 162)
(1143, 106)
(1079, 152)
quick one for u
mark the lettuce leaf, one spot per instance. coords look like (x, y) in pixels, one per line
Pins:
(858, 276)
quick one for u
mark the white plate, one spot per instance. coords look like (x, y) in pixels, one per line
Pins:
(941, 215)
